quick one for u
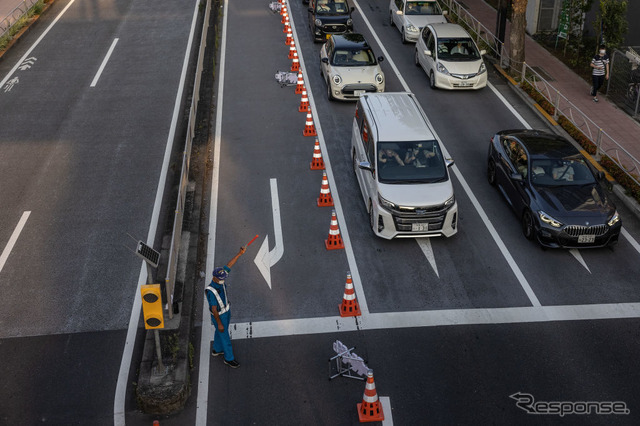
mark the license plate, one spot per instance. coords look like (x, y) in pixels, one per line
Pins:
(419, 227)
(465, 84)
(586, 239)
(358, 92)
(327, 36)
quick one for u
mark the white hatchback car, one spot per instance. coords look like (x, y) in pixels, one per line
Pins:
(349, 67)
(410, 16)
(450, 58)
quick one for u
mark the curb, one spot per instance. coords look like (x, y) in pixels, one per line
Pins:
(617, 189)
(32, 21)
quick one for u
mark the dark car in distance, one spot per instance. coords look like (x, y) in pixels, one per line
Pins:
(553, 189)
(328, 17)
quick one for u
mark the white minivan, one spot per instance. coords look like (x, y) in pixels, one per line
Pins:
(402, 169)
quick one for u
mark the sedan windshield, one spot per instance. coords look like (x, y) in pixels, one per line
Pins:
(410, 162)
(561, 172)
(353, 58)
(422, 8)
(457, 49)
(332, 7)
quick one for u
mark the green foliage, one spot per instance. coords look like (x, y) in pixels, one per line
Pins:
(612, 16)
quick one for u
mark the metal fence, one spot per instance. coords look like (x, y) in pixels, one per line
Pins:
(623, 87)
(562, 105)
(16, 14)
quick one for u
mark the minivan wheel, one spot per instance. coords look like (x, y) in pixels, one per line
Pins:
(372, 219)
(432, 80)
(527, 225)
(415, 57)
(491, 172)
(391, 19)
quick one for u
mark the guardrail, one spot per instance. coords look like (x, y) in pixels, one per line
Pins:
(605, 144)
(16, 14)
(176, 235)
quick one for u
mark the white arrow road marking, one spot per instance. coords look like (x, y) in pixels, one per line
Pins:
(12, 240)
(425, 245)
(578, 256)
(264, 260)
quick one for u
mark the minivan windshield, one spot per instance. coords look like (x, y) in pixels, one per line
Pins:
(332, 7)
(410, 162)
(457, 49)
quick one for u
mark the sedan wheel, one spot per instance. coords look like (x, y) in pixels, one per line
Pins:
(527, 225)
(416, 59)
(404, 39)
(329, 94)
(491, 172)
(391, 19)
(432, 80)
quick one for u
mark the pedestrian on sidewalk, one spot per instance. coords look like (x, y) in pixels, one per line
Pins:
(216, 293)
(600, 71)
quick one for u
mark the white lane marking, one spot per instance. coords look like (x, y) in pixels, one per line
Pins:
(14, 237)
(104, 62)
(385, 401)
(28, 53)
(508, 105)
(206, 332)
(576, 253)
(265, 259)
(503, 249)
(125, 364)
(425, 245)
(344, 232)
(628, 236)
(434, 318)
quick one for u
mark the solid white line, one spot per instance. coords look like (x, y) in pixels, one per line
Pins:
(104, 62)
(628, 236)
(385, 401)
(434, 318)
(125, 364)
(26, 55)
(342, 222)
(206, 333)
(12, 240)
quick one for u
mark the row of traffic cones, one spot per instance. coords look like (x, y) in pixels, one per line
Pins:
(370, 409)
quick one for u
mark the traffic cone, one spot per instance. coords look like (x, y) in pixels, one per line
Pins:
(325, 199)
(292, 49)
(285, 15)
(289, 39)
(285, 21)
(300, 85)
(317, 163)
(309, 128)
(304, 102)
(283, 9)
(370, 410)
(349, 306)
(334, 241)
(295, 64)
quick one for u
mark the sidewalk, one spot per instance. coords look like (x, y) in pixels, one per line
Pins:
(622, 128)
(8, 6)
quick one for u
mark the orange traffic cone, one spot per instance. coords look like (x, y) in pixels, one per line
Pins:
(292, 49)
(285, 15)
(283, 9)
(335, 240)
(300, 85)
(289, 39)
(325, 199)
(370, 410)
(317, 163)
(295, 64)
(304, 102)
(309, 128)
(349, 306)
(285, 21)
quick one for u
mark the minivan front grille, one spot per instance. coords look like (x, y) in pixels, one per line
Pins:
(434, 216)
(577, 230)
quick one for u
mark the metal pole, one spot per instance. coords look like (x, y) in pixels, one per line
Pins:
(161, 369)
(598, 143)
(635, 112)
(524, 71)
(555, 106)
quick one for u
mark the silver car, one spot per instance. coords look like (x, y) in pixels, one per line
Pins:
(349, 67)
(410, 16)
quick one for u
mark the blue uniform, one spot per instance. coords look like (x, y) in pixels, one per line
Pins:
(221, 341)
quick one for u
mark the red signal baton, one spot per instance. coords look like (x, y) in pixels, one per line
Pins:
(254, 238)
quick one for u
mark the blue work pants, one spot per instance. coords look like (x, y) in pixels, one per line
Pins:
(222, 341)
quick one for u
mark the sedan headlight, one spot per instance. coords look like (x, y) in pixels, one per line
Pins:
(614, 219)
(411, 28)
(379, 78)
(549, 220)
(482, 69)
(450, 201)
(442, 69)
(318, 23)
(349, 22)
(337, 79)
(385, 203)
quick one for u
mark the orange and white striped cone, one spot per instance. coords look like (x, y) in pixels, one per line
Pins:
(325, 199)
(289, 39)
(370, 410)
(349, 306)
(334, 241)
(283, 8)
(285, 15)
(295, 63)
(292, 50)
(317, 163)
(300, 85)
(309, 128)
(287, 26)
(304, 102)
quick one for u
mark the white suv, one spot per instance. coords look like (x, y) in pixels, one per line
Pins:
(401, 168)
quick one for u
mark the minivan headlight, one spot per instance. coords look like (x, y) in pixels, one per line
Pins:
(379, 78)
(450, 201)
(337, 79)
(482, 69)
(549, 220)
(442, 69)
(614, 219)
(386, 203)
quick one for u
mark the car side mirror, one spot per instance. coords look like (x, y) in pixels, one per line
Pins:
(427, 52)
(517, 177)
(483, 52)
(380, 58)
(365, 165)
(325, 60)
(449, 162)
(399, 12)
(311, 9)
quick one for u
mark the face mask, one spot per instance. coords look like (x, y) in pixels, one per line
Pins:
(602, 52)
